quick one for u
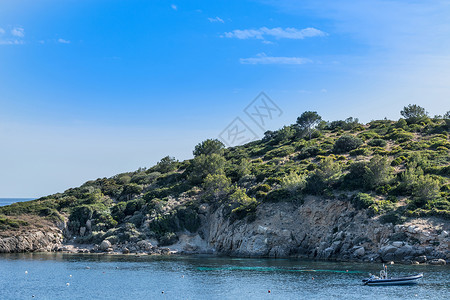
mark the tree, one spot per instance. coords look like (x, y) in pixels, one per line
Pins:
(427, 189)
(413, 113)
(378, 172)
(308, 121)
(208, 147)
(325, 176)
(216, 186)
(447, 118)
(203, 165)
(166, 164)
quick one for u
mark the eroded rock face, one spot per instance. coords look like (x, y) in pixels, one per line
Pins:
(38, 241)
(322, 229)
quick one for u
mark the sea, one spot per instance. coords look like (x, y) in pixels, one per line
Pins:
(96, 276)
(8, 201)
(99, 276)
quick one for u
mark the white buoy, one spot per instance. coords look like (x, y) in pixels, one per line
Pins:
(70, 275)
(26, 272)
(67, 284)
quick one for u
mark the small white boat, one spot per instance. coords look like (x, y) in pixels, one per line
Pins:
(384, 280)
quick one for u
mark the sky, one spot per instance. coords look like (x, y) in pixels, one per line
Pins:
(92, 88)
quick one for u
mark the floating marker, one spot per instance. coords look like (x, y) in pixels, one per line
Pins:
(67, 284)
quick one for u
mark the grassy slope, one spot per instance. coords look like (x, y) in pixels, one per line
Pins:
(284, 166)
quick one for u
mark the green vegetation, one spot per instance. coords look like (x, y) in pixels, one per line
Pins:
(392, 169)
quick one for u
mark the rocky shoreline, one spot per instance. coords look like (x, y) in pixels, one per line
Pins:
(318, 229)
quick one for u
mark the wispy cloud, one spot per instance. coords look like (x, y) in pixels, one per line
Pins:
(174, 7)
(277, 32)
(18, 32)
(216, 19)
(63, 41)
(13, 36)
(263, 59)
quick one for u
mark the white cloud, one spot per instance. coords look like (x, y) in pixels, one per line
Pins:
(2, 31)
(277, 32)
(263, 59)
(216, 19)
(174, 7)
(63, 41)
(18, 32)
(11, 42)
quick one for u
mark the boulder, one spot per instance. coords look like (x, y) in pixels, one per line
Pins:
(421, 259)
(105, 245)
(125, 251)
(144, 245)
(82, 231)
(438, 261)
(397, 244)
(360, 251)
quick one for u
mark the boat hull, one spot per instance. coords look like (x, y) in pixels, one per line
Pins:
(410, 280)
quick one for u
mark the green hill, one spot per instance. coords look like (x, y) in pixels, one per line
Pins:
(394, 169)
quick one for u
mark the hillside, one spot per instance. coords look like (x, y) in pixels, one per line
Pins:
(381, 174)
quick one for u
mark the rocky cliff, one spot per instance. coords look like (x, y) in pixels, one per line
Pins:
(324, 229)
(37, 241)
(317, 229)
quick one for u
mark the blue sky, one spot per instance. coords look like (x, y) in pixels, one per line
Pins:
(91, 88)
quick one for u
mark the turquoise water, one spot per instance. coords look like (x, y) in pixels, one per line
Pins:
(8, 201)
(65, 276)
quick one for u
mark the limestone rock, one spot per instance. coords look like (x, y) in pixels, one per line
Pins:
(105, 245)
(438, 261)
(359, 252)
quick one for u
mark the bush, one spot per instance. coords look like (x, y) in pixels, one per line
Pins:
(346, 143)
(362, 201)
(279, 152)
(369, 175)
(294, 182)
(400, 136)
(309, 152)
(360, 151)
(377, 143)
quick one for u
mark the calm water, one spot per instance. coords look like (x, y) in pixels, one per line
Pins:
(8, 201)
(64, 276)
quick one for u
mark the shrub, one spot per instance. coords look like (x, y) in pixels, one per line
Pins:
(309, 152)
(362, 201)
(368, 175)
(242, 204)
(427, 189)
(346, 143)
(293, 182)
(278, 195)
(360, 151)
(400, 136)
(279, 152)
(377, 143)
